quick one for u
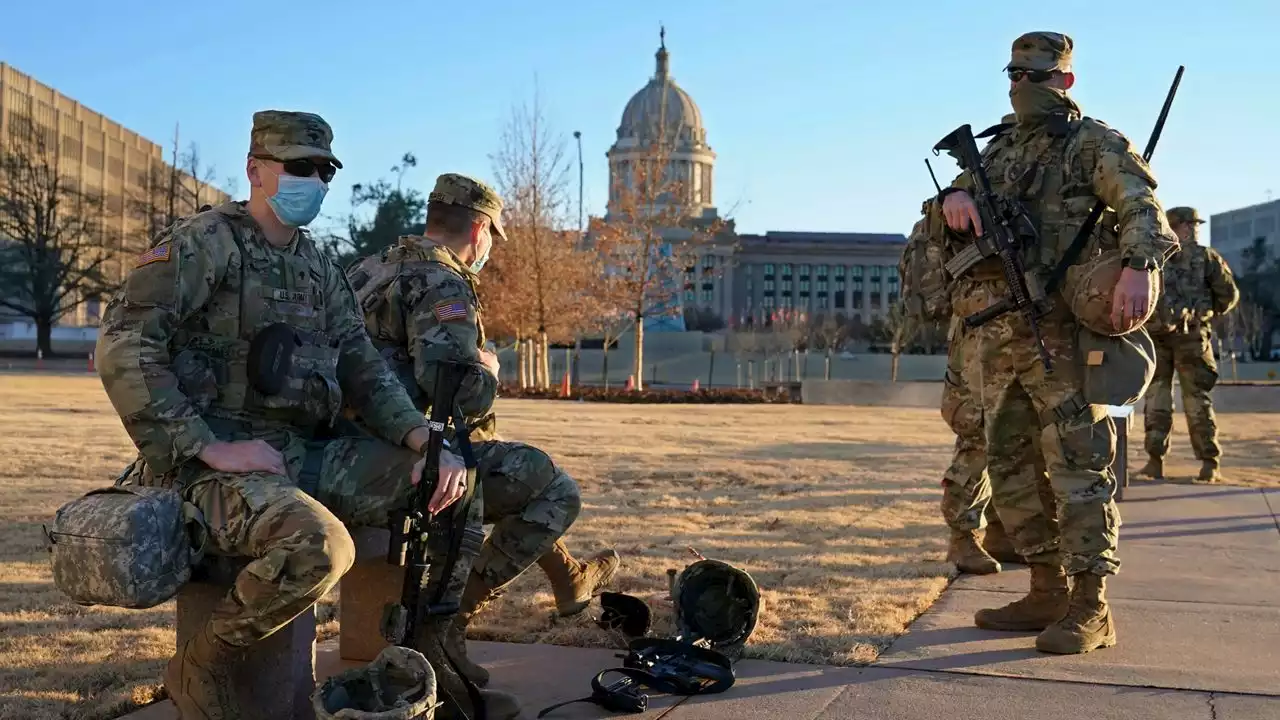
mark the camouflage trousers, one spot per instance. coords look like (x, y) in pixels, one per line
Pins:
(969, 499)
(1077, 440)
(529, 501)
(300, 544)
(1190, 355)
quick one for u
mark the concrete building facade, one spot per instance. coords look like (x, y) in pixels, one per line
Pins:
(1234, 232)
(99, 157)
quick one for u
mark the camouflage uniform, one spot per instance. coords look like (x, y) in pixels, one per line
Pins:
(1058, 164)
(1198, 286)
(173, 357)
(966, 484)
(421, 307)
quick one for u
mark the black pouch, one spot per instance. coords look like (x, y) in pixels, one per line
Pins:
(271, 357)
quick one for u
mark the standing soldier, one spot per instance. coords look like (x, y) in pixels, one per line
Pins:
(232, 344)
(1198, 286)
(966, 486)
(421, 307)
(1057, 164)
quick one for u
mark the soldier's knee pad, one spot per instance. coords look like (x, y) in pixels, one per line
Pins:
(325, 552)
(1087, 439)
(564, 492)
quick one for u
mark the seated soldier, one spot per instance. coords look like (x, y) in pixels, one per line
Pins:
(186, 353)
(421, 307)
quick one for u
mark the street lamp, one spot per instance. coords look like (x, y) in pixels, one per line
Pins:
(578, 136)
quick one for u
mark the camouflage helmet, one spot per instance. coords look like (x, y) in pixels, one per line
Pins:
(719, 602)
(398, 685)
(1090, 286)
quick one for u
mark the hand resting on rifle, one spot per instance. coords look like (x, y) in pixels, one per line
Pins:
(962, 213)
(1133, 291)
(452, 480)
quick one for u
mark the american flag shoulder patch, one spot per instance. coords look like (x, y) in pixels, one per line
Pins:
(159, 253)
(450, 310)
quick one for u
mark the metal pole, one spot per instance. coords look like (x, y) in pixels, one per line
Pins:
(578, 136)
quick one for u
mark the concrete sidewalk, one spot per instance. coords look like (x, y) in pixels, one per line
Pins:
(1197, 607)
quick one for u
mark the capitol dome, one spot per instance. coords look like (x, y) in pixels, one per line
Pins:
(663, 109)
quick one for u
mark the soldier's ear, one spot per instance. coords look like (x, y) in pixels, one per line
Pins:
(253, 170)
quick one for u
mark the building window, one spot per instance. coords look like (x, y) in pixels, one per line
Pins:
(1264, 225)
(706, 297)
(822, 271)
(768, 268)
(822, 303)
(822, 286)
(804, 286)
(857, 301)
(857, 271)
(804, 271)
(839, 271)
(767, 301)
(840, 301)
(768, 286)
(875, 301)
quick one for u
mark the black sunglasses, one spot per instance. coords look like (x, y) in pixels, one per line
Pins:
(1035, 76)
(306, 168)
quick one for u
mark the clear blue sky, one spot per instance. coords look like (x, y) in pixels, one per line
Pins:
(821, 113)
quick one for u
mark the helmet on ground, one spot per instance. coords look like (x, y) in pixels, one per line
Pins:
(398, 685)
(717, 601)
(1089, 288)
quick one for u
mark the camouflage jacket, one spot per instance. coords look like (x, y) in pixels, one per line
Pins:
(421, 307)
(174, 343)
(1058, 169)
(1198, 286)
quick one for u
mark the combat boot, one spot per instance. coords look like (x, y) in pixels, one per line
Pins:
(1154, 468)
(1209, 472)
(456, 700)
(474, 598)
(1044, 605)
(968, 556)
(1087, 624)
(198, 679)
(575, 582)
(996, 542)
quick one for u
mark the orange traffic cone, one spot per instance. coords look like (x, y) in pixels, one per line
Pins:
(695, 385)
(90, 362)
(631, 383)
(564, 385)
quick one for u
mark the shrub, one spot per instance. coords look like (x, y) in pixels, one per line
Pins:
(739, 396)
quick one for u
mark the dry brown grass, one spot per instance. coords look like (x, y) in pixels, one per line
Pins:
(834, 511)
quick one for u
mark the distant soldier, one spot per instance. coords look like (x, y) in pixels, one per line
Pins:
(1198, 286)
(421, 307)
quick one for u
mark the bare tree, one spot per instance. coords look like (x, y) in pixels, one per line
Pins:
(901, 331)
(651, 245)
(544, 277)
(52, 249)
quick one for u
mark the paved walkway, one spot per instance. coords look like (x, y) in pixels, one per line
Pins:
(1197, 608)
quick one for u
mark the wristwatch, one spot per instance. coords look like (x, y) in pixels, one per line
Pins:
(1139, 263)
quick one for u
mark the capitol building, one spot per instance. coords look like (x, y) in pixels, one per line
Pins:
(745, 277)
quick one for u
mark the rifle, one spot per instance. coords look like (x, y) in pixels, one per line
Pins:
(417, 529)
(1006, 229)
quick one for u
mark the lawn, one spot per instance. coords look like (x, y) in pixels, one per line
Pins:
(833, 510)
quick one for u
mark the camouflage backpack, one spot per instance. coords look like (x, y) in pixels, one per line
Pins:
(125, 546)
(925, 293)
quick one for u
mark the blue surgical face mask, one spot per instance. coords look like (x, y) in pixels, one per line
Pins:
(475, 266)
(298, 199)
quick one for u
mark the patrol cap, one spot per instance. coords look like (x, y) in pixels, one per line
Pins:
(291, 135)
(468, 192)
(1183, 214)
(1041, 50)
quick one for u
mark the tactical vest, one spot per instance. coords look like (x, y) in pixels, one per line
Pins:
(1185, 286)
(211, 349)
(1043, 169)
(377, 279)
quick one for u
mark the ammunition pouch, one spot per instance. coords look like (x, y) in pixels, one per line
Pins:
(296, 371)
